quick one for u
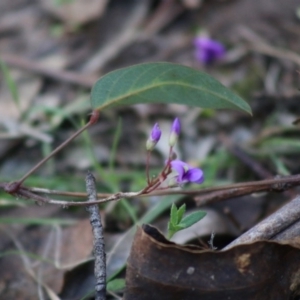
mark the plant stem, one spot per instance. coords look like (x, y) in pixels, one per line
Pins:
(147, 166)
(93, 120)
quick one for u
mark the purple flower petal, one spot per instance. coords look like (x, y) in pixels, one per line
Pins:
(179, 166)
(186, 173)
(194, 175)
(208, 50)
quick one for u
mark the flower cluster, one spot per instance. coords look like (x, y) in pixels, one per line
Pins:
(183, 173)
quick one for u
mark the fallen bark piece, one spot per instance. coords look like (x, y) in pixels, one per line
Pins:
(159, 269)
(278, 225)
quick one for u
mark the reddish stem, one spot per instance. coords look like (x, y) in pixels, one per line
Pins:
(147, 166)
(14, 186)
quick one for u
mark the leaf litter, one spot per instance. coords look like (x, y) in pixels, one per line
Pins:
(260, 65)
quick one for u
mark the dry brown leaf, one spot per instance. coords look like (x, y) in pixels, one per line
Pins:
(159, 269)
(77, 242)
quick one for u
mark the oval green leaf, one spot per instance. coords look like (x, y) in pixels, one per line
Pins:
(191, 219)
(163, 83)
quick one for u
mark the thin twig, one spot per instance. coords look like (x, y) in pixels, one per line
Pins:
(99, 247)
(275, 184)
(209, 195)
(15, 186)
(272, 225)
(55, 151)
(65, 193)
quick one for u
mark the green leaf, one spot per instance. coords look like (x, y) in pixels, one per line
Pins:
(280, 166)
(179, 227)
(181, 212)
(116, 285)
(163, 83)
(173, 215)
(36, 221)
(10, 83)
(191, 219)
(113, 151)
(171, 227)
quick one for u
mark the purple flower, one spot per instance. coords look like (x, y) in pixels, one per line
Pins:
(175, 131)
(154, 137)
(176, 126)
(208, 50)
(155, 133)
(186, 173)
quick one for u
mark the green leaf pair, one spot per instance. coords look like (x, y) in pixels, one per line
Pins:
(178, 222)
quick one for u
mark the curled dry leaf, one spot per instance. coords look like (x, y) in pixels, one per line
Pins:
(159, 269)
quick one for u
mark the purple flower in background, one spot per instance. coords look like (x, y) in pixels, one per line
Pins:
(154, 137)
(175, 131)
(186, 173)
(208, 50)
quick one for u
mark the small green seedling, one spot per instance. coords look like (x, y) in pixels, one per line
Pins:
(116, 285)
(178, 222)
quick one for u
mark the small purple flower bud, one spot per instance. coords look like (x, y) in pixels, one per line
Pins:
(154, 137)
(175, 131)
(176, 126)
(155, 133)
(208, 50)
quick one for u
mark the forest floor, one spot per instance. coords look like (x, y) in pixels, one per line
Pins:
(52, 52)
